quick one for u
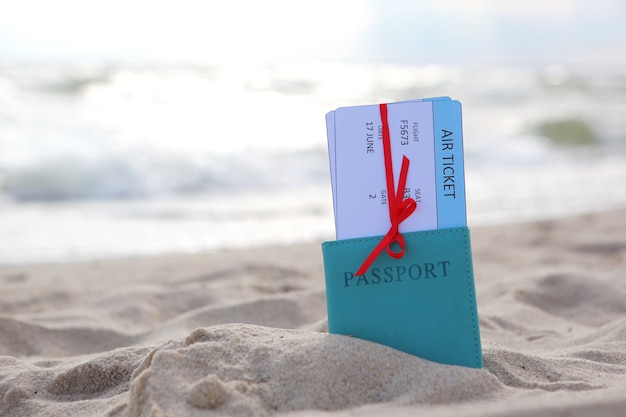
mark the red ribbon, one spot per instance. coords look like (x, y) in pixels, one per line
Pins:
(399, 207)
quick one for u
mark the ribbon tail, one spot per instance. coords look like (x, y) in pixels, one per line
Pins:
(384, 242)
(404, 173)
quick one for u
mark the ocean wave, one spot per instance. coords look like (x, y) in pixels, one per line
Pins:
(141, 175)
(568, 132)
(118, 131)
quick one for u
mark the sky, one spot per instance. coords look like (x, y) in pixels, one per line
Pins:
(269, 31)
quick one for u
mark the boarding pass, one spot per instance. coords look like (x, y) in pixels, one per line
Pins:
(429, 133)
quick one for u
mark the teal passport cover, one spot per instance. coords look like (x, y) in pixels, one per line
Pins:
(423, 303)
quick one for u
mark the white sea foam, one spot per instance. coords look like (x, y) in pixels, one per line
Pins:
(111, 160)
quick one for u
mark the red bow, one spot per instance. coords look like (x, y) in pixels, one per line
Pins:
(399, 207)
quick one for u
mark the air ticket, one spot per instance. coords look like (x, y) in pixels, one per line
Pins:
(429, 133)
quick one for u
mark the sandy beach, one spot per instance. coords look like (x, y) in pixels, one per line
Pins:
(244, 333)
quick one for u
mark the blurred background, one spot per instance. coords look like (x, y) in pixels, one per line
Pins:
(131, 127)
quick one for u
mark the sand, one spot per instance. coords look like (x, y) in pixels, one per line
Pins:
(244, 333)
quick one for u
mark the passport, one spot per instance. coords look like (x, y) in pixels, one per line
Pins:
(423, 304)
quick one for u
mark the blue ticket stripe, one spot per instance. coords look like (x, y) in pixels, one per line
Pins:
(449, 167)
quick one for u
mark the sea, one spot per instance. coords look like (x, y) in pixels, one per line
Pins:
(116, 159)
